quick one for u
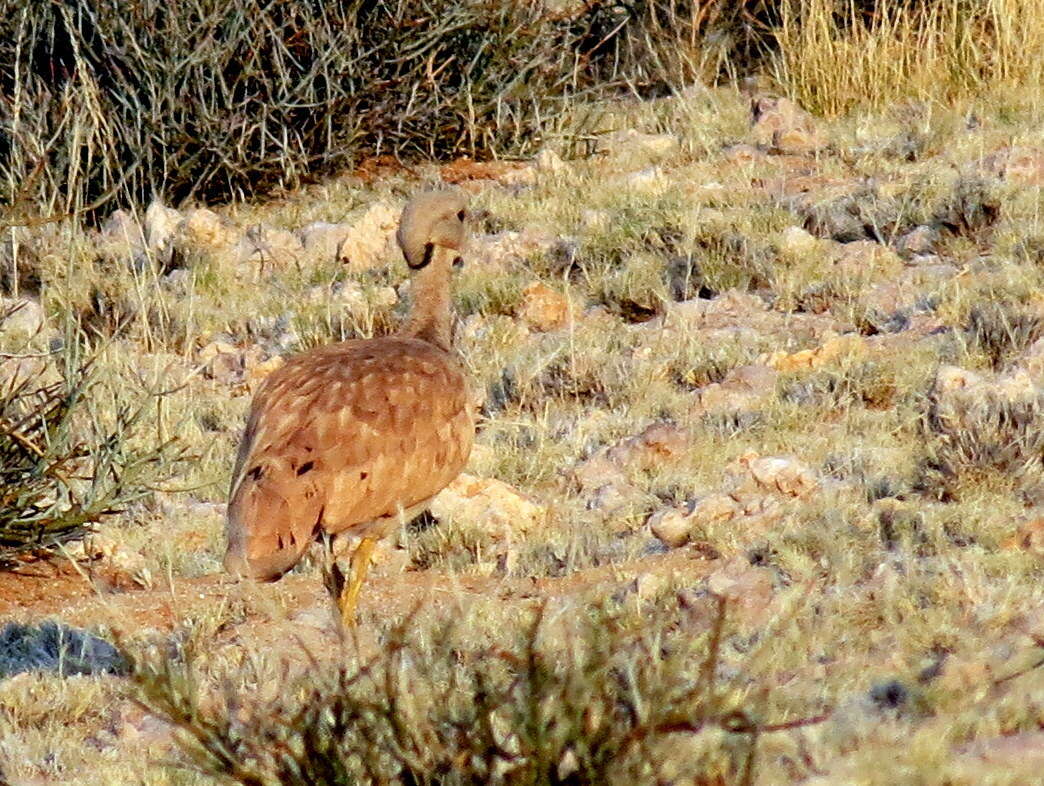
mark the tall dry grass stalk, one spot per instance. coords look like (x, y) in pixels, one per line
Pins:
(835, 56)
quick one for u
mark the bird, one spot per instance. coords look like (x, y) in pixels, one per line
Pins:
(355, 437)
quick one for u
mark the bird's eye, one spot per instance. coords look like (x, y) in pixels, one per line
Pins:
(461, 215)
(458, 262)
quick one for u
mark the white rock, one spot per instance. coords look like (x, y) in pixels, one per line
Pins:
(161, 225)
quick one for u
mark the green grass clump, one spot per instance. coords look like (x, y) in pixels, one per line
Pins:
(65, 464)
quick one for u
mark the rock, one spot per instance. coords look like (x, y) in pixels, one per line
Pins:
(828, 352)
(783, 126)
(655, 445)
(542, 308)
(744, 389)
(752, 498)
(1021, 165)
(204, 230)
(15, 371)
(614, 497)
(362, 244)
(918, 241)
(322, 240)
(23, 317)
(135, 728)
(795, 241)
(644, 178)
(507, 248)
(502, 511)
(785, 475)
(124, 227)
(743, 154)
(749, 590)
(56, 648)
(119, 569)
(221, 362)
(161, 225)
(267, 247)
(672, 526)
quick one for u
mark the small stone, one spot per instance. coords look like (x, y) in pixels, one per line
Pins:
(615, 497)
(221, 362)
(672, 526)
(161, 225)
(867, 260)
(22, 317)
(743, 154)
(828, 352)
(205, 230)
(749, 590)
(644, 178)
(783, 474)
(500, 509)
(796, 241)
(918, 241)
(543, 309)
(784, 127)
(1021, 165)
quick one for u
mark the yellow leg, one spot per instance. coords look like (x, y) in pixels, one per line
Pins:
(350, 594)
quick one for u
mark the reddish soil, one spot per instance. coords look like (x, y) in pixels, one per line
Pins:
(85, 597)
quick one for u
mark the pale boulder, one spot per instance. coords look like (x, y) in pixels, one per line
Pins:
(204, 230)
(504, 512)
(161, 227)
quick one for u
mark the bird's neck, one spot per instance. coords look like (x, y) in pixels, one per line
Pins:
(431, 314)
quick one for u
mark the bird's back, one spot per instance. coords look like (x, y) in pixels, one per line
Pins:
(342, 436)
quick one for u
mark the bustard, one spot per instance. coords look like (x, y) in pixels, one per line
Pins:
(356, 436)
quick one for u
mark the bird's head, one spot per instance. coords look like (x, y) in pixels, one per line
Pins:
(432, 227)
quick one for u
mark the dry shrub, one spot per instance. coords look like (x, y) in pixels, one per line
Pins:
(217, 99)
(1002, 330)
(64, 463)
(587, 697)
(970, 439)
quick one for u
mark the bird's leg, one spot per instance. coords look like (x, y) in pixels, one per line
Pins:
(333, 577)
(350, 594)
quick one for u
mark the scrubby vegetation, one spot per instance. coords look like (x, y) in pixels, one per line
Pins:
(757, 492)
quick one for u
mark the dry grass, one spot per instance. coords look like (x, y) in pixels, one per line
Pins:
(898, 605)
(927, 51)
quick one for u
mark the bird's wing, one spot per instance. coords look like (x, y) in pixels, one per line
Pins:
(338, 439)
